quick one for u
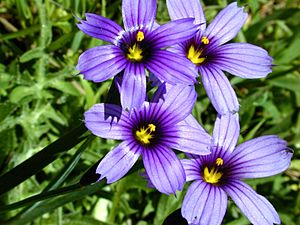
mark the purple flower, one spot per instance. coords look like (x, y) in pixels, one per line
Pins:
(220, 173)
(141, 45)
(207, 52)
(150, 131)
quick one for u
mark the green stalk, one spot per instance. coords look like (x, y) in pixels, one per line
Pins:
(116, 201)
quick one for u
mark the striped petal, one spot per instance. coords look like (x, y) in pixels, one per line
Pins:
(219, 90)
(138, 14)
(179, 9)
(204, 204)
(243, 60)
(119, 161)
(191, 121)
(227, 24)
(100, 27)
(178, 104)
(192, 140)
(107, 121)
(226, 131)
(101, 63)
(172, 68)
(133, 88)
(173, 32)
(191, 169)
(164, 169)
(255, 207)
(260, 157)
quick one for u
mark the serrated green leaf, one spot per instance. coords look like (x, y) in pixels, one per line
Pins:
(50, 112)
(64, 86)
(20, 92)
(32, 54)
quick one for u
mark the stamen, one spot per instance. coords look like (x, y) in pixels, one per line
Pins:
(195, 55)
(144, 135)
(212, 176)
(205, 40)
(219, 161)
(135, 53)
(140, 36)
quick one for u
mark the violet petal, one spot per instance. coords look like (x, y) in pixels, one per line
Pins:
(164, 169)
(107, 121)
(100, 27)
(119, 161)
(260, 157)
(204, 204)
(227, 23)
(226, 131)
(243, 60)
(133, 87)
(101, 63)
(219, 90)
(138, 14)
(179, 9)
(255, 207)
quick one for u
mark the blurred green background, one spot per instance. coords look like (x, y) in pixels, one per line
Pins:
(42, 98)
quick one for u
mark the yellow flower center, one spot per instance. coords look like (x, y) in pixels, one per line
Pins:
(135, 52)
(212, 175)
(195, 55)
(144, 135)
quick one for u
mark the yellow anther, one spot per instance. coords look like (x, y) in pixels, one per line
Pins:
(152, 127)
(205, 40)
(195, 55)
(212, 176)
(140, 36)
(219, 161)
(135, 53)
(144, 135)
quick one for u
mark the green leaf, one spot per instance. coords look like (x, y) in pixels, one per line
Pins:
(38, 161)
(32, 54)
(20, 33)
(24, 9)
(64, 86)
(6, 109)
(77, 41)
(49, 191)
(240, 221)
(166, 205)
(291, 52)
(82, 220)
(74, 194)
(286, 219)
(20, 92)
(7, 143)
(288, 81)
(60, 42)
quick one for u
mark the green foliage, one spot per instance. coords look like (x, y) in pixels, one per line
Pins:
(43, 100)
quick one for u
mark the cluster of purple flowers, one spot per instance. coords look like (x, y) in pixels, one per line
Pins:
(172, 56)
